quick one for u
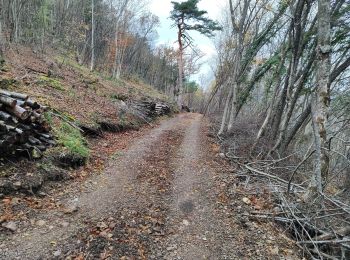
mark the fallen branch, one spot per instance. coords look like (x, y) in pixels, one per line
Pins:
(67, 121)
(270, 176)
(296, 168)
(336, 241)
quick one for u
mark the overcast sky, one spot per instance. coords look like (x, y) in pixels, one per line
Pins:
(168, 35)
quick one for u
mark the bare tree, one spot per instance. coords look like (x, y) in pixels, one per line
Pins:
(92, 65)
(322, 101)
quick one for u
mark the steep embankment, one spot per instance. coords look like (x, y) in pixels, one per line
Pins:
(83, 105)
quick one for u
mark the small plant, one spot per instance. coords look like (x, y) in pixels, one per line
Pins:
(7, 83)
(72, 94)
(2, 64)
(72, 139)
(121, 97)
(48, 118)
(53, 83)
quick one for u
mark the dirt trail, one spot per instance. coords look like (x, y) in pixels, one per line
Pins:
(197, 236)
(158, 200)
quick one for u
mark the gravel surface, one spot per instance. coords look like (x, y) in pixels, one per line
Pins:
(166, 197)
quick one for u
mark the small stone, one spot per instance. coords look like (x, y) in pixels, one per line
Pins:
(73, 207)
(204, 239)
(103, 234)
(42, 194)
(275, 250)
(10, 226)
(246, 201)
(15, 201)
(112, 225)
(65, 224)
(171, 248)
(185, 222)
(57, 253)
(17, 184)
(102, 225)
(222, 155)
(41, 222)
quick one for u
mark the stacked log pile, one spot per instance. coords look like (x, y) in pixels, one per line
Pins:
(148, 110)
(162, 109)
(22, 126)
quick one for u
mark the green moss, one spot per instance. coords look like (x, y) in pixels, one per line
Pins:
(122, 97)
(72, 139)
(5, 68)
(7, 83)
(53, 83)
(48, 118)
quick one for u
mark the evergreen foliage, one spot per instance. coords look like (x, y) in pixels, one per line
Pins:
(190, 18)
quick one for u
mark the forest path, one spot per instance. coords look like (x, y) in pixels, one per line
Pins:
(158, 200)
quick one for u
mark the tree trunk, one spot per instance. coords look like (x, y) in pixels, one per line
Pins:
(322, 100)
(323, 88)
(232, 114)
(295, 128)
(278, 78)
(237, 61)
(117, 60)
(1, 34)
(178, 94)
(92, 65)
(315, 186)
(115, 64)
(225, 114)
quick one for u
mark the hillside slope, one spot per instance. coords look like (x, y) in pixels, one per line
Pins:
(83, 105)
(65, 86)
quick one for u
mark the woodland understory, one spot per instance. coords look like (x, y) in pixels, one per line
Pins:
(281, 106)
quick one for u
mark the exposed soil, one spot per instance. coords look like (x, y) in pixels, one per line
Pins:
(167, 195)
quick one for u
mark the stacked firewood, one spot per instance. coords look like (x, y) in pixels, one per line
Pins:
(22, 126)
(162, 109)
(149, 109)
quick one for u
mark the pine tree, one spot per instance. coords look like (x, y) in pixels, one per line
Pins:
(187, 17)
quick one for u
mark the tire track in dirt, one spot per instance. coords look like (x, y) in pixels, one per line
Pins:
(136, 230)
(192, 210)
(158, 200)
(116, 188)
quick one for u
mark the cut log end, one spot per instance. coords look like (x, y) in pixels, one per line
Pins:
(23, 129)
